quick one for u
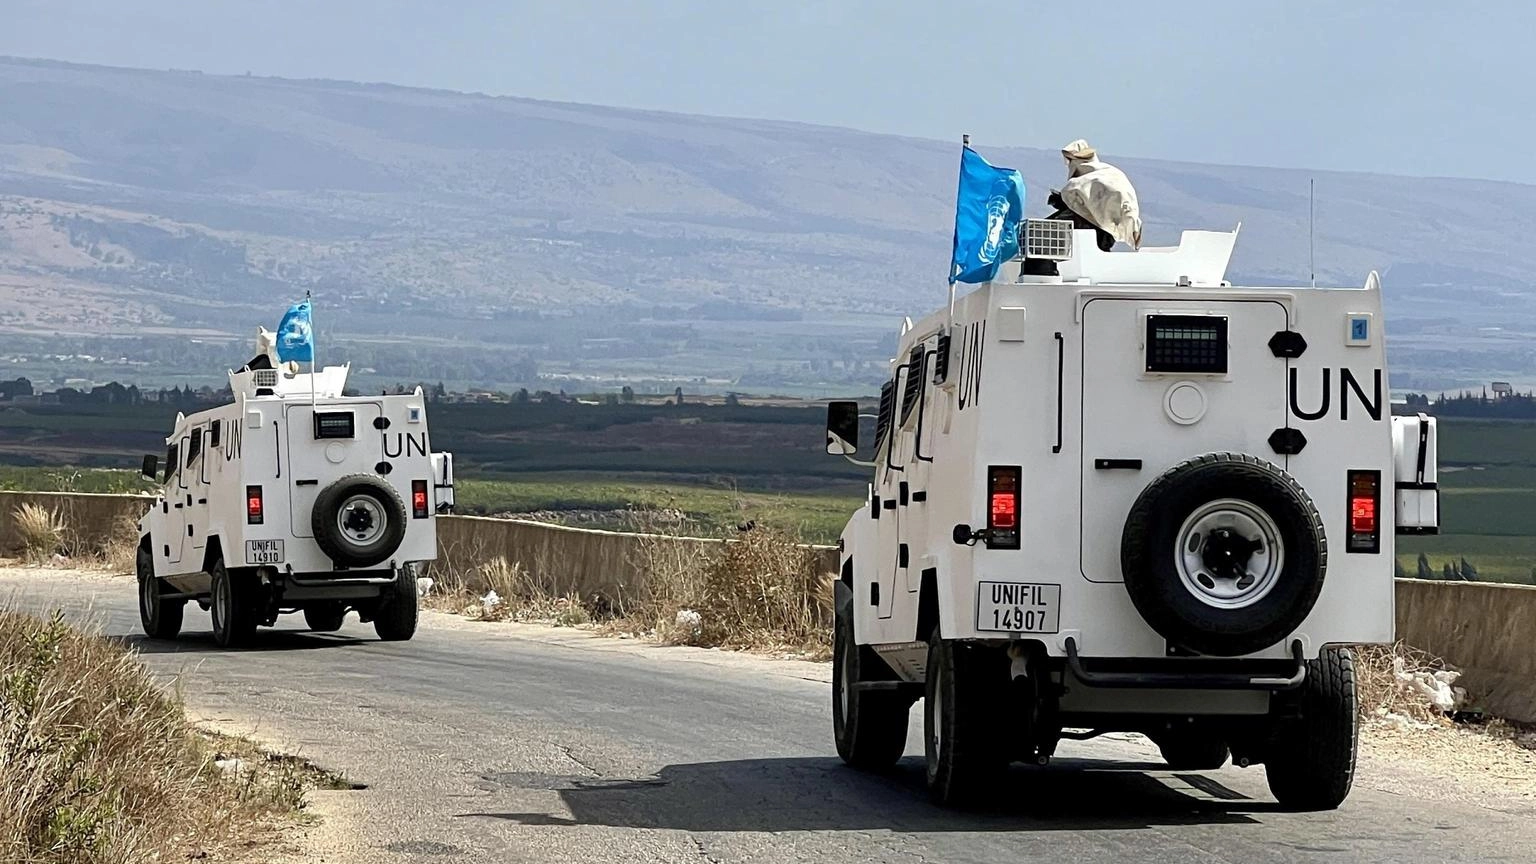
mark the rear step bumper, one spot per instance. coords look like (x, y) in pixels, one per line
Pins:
(1190, 679)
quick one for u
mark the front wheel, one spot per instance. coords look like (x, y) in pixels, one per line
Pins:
(870, 726)
(962, 720)
(235, 606)
(395, 620)
(160, 618)
(1311, 763)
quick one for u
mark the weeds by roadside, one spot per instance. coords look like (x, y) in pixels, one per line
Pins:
(499, 590)
(760, 589)
(40, 531)
(98, 764)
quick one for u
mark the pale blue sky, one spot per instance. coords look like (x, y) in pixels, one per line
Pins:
(1411, 87)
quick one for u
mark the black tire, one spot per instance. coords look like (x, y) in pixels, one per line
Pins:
(1311, 761)
(1150, 555)
(160, 618)
(395, 619)
(1191, 751)
(346, 516)
(325, 616)
(235, 606)
(869, 726)
(963, 720)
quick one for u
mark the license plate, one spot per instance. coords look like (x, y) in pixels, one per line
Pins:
(1018, 607)
(263, 551)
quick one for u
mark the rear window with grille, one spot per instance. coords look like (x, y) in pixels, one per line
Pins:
(1187, 343)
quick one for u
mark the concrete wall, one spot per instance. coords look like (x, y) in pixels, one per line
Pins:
(565, 560)
(1485, 630)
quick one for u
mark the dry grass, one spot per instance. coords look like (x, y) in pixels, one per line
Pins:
(761, 591)
(122, 545)
(499, 590)
(99, 766)
(1380, 690)
(41, 532)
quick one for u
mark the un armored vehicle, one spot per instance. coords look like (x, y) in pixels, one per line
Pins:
(294, 497)
(1117, 493)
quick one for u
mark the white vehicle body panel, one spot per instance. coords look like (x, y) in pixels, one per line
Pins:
(269, 442)
(1049, 374)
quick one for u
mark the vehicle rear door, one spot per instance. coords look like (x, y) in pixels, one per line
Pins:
(1166, 380)
(325, 443)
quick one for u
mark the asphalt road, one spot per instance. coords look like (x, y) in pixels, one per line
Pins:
(507, 743)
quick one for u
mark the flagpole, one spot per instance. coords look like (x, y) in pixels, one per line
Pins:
(965, 143)
(314, 354)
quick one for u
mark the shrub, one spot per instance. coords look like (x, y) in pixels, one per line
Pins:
(98, 764)
(40, 530)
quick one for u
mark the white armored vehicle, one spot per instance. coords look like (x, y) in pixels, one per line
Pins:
(1128, 496)
(294, 497)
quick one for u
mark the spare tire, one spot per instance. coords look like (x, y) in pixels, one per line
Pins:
(1224, 554)
(358, 521)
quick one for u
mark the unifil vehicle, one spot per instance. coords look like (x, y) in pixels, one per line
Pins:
(1113, 492)
(293, 498)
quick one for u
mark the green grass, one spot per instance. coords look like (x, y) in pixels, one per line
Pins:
(1497, 558)
(818, 517)
(105, 480)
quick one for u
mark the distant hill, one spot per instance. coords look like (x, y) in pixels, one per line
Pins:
(134, 199)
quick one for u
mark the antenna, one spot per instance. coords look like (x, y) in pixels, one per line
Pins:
(1311, 230)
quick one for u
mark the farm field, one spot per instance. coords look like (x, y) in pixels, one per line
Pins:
(707, 468)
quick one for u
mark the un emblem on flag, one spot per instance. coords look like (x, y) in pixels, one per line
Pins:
(997, 217)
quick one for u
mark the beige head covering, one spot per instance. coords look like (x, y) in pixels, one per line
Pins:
(1079, 150)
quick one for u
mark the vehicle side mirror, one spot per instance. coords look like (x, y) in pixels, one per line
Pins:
(842, 428)
(151, 467)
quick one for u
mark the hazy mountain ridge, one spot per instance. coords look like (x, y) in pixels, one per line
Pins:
(169, 196)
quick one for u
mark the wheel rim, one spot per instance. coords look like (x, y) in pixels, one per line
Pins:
(1229, 554)
(149, 596)
(361, 520)
(220, 601)
(845, 665)
(936, 721)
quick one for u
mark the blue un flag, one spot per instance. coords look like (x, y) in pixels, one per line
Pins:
(988, 210)
(296, 334)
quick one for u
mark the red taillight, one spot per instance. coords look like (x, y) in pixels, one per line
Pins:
(419, 499)
(1362, 515)
(1005, 510)
(1003, 507)
(253, 508)
(1364, 512)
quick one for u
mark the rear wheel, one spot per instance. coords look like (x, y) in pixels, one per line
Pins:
(235, 606)
(160, 618)
(870, 726)
(325, 616)
(1311, 760)
(395, 620)
(962, 720)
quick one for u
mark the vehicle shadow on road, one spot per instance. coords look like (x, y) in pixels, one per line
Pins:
(822, 794)
(263, 641)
